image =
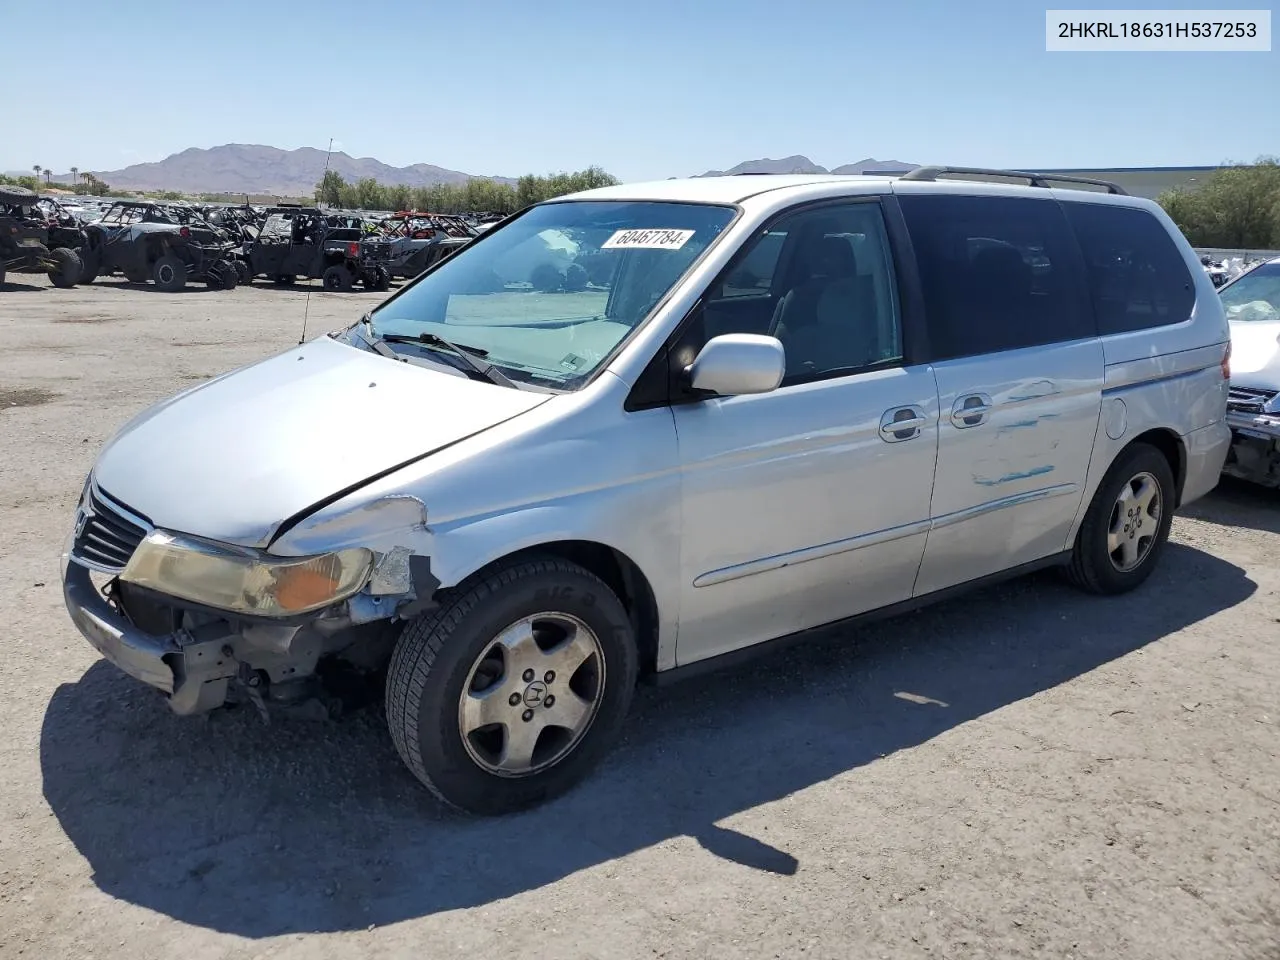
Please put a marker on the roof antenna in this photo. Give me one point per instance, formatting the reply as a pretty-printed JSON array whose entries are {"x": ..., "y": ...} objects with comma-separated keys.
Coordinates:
[{"x": 306, "y": 310}]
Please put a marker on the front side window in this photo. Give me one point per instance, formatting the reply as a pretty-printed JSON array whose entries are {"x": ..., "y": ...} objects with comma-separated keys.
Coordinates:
[
  {"x": 998, "y": 273},
  {"x": 549, "y": 296},
  {"x": 821, "y": 281},
  {"x": 1137, "y": 277},
  {"x": 1255, "y": 295}
]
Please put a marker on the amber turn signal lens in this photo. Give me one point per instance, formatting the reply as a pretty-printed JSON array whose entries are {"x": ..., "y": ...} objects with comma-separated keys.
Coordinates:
[{"x": 302, "y": 588}]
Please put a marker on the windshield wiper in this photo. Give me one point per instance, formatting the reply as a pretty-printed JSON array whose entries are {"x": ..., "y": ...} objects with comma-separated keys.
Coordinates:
[{"x": 471, "y": 356}]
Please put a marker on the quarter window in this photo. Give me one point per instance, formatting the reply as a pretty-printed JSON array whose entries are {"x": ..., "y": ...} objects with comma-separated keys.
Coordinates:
[
  {"x": 999, "y": 273},
  {"x": 1137, "y": 277},
  {"x": 753, "y": 276}
]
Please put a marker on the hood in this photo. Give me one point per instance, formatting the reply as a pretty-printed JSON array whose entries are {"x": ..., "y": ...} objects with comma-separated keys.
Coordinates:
[
  {"x": 1255, "y": 354},
  {"x": 233, "y": 458}
]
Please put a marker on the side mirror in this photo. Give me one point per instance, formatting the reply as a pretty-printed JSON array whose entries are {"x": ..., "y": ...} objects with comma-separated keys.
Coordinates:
[{"x": 738, "y": 363}]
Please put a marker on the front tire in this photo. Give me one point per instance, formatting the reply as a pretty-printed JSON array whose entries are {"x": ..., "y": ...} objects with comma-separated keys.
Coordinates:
[
  {"x": 67, "y": 272},
  {"x": 377, "y": 279},
  {"x": 509, "y": 693},
  {"x": 1127, "y": 525},
  {"x": 90, "y": 264}
]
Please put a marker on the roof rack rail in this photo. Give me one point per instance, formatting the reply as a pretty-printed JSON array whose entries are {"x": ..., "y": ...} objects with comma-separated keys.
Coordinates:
[{"x": 1034, "y": 179}]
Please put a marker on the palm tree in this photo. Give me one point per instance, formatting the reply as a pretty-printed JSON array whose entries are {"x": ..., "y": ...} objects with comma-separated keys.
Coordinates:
[
  {"x": 74, "y": 172},
  {"x": 48, "y": 175},
  {"x": 38, "y": 169}
]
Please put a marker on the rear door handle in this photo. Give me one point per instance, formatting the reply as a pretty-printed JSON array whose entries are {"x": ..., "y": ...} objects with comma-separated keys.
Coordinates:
[
  {"x": 902, "y": 423},
  {"x": 971, "y": 410}
]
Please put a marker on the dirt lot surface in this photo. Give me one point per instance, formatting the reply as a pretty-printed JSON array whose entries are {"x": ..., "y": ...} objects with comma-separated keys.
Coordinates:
[{"x": 1026, "y": 772}]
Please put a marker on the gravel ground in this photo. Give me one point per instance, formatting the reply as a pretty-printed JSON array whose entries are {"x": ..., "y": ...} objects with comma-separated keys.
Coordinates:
[{"x": 1026, "y": 772}]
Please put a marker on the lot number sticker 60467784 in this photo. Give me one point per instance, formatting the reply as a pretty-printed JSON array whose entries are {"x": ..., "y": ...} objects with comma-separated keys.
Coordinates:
[{"x": 648, "y": 239}]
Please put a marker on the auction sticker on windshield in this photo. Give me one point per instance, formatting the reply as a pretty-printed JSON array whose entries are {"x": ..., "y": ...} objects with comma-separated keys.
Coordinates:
[{"x": 648, "y": 239}]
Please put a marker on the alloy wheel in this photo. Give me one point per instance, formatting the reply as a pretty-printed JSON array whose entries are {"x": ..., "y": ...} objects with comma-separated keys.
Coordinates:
[
  {"x": 1135, "y": 522},
  {"x": 531, "y": 695}
]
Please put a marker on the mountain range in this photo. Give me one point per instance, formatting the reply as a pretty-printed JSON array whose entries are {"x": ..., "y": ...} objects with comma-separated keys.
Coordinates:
[
  {"x": 256, "y": 169},
  {"x": 801, "y": 164},
  {"x": 262, "y": 170}
]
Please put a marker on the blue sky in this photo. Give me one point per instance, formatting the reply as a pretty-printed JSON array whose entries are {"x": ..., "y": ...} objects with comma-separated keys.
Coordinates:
[{"x": 645, "y": 89}]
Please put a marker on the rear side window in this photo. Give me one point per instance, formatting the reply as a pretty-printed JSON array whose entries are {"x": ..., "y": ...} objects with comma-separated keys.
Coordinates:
[
  {"x": 1137, "y": 277},
  {"x": 998, "y": 273}
]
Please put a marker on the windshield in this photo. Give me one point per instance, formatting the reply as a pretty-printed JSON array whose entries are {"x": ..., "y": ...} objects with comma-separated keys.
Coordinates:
[
  {"x": 551, "y": 294},
  {"x": 1255, "y": 296}
]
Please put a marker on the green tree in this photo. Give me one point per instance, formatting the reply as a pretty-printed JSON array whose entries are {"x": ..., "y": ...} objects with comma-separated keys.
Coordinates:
[
  {"x": 329, "y": 189},
  {"x": 398, "y": 197},
  {"x": 369, "y": 195},
  {"x": 478, "y": 195},
  {"x": 1237, "y": 207}
]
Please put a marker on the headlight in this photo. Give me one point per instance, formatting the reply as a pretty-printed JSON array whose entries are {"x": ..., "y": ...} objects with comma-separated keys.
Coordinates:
[{"x": 245, "y": 582}]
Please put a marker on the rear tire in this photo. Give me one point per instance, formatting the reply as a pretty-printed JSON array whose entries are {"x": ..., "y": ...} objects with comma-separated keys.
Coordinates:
[
  {"x": 243, "y": 274},
  {"x": 338, "y": 279},
  {"x": 1127, "y": 525},
  {"x": 67, "y": 272},
  {"x": 222, "y": 276},
  {"x": 2, "y": 272},
  {"x": 169, "y": 273},
  {"x": 446, "y": 661}
]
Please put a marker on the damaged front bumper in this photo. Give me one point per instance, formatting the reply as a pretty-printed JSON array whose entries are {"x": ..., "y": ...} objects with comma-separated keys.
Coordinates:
[
  {"x": 194, "y": 673},
  {"x": 201, "y": 658},
  {"x": 1255, "y": 447}
]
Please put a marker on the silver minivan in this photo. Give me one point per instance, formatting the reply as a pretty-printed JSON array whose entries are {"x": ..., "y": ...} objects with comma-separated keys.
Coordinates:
[
  {"x": 1252, "y": 303},
  {"x": 650, "y": 427}
]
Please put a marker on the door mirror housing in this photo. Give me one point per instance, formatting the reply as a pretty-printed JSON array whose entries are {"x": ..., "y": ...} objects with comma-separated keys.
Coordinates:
[{"x": 733, "y": 364}]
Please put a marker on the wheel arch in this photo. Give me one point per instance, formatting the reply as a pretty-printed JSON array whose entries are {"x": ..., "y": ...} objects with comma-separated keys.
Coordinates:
[
  {"x": 1174, "y": 450},
  {"x": 619, "y": 572}
]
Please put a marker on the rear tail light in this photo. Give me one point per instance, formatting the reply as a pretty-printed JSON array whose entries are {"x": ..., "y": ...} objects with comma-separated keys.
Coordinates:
[
  {"x": 1226, "y": 362},
  {"x": 185, "y": 232},
  {"x": 353, "y": 249}
]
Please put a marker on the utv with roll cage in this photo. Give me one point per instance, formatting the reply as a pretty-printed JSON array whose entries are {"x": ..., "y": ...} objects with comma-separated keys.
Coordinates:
[
  {"x": 410, "y": 241},
  {"x": 32, "y": 243},
  {"x": 314, "y": 244},
  {"x": 164, "y": 243}
]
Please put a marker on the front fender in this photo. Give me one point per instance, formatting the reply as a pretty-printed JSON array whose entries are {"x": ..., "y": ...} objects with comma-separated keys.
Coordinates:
[{"x": 462, "y": 549}]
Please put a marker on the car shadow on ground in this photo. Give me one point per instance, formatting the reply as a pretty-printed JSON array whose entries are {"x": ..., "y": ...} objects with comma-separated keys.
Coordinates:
[
  {"x": 316, "y": 286},
  {"x": 16, "y": 286},
  {"x": 261, "y": 831},
  {"x": 1238, "y": 503},
  {"x": 120, "y": 283}
]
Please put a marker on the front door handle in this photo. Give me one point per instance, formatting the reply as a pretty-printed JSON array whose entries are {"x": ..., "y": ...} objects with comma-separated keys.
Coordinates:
[
  {"x": 971, "y": 410},
  {"x": 902, "y": 423}
]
